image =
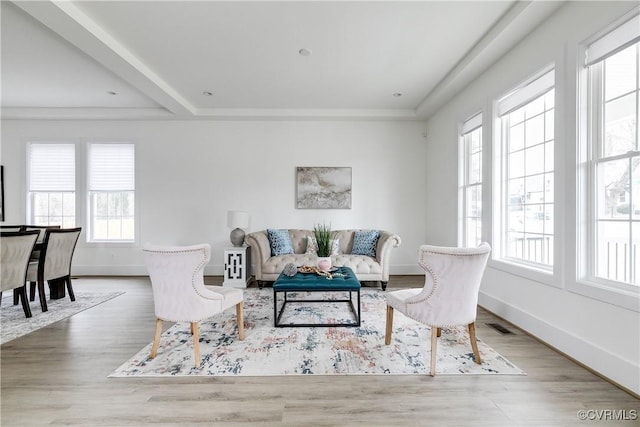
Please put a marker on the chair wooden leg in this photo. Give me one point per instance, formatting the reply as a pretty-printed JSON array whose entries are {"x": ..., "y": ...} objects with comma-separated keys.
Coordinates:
[
  {"x": 439, "y": 332},
  {"x": 25, "y": 301},
  {"x": 32, "y": 291},
  {"x": 474, "y": 343},
  {"x": 156, "y": 339},
  {"x": 43, "y": 297},
  {"x": 70, "y": 288},
  {"x": 434, "y": 344},
  {"x": 16, "y": 296},
  {"x": 240, "y": 316},
  {"x": 389, "y": 327},
  {"x": 196, "y": 343}
]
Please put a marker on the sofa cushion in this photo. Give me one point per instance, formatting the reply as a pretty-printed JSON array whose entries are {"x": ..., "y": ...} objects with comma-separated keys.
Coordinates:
[
  {"x": 280, "y": 242},
  {"x": 365, "y": 242}
]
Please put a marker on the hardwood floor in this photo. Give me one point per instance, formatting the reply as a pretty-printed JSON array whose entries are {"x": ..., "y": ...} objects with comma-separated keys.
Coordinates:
[{"x": 58, "y": 376}]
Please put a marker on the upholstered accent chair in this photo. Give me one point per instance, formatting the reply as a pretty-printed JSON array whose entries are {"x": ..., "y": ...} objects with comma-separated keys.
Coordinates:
[
  {"x": 54, "y": 262},
  {"x": 179, "y": 292},
  {"x": 15, "y": 251},
  {"x": 449, "y": 296}
]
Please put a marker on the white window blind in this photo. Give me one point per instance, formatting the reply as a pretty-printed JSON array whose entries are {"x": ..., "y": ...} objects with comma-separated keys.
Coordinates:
[
  {"x": 614, "y": 41},
  {"x": 472, "y": 123},
  {"x": 111, "y": 167},
  {"x": 52, "y": 167},
  {"x": 526, "y": 93}
]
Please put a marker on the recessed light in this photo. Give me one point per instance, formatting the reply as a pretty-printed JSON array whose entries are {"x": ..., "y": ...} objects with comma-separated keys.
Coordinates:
[
  {"x": 110, "y": 92},
  {"x": 207, "y": 93},
  {"x": 304, "y": 52},
  {"x": 397, "y": 94}
]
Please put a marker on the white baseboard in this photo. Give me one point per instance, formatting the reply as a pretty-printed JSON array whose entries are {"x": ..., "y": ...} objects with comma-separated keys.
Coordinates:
[{"x": 614, "y": 368}]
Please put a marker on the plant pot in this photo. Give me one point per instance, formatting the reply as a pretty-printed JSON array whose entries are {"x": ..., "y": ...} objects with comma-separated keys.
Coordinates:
[{"x": 324, "y": 263}]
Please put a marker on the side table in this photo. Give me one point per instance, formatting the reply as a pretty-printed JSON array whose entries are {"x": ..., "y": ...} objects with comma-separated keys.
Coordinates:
[{"x": 237, "y": 263}]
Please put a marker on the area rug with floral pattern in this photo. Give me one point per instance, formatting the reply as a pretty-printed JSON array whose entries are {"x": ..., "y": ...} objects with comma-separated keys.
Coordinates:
[{"x": 268, "y": 350}]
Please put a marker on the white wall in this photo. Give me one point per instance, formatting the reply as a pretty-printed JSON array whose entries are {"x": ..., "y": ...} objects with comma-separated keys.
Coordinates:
[
  {"x": 603, "y": 336},
  {"x": 190, "y": 173}
]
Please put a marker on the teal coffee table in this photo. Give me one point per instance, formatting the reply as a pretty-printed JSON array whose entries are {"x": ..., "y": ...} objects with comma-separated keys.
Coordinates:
[{"x": 344, "y": 280}]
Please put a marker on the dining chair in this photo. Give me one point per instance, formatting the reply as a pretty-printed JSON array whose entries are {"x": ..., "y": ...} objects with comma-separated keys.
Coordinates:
[
  {"x": 11, "y": 228},
  {"x": 179, "y": 292},
  {"x": 449, "y": 296},
  {"x": 15, "y": 250},
  {"x": 54, "y": 263}
]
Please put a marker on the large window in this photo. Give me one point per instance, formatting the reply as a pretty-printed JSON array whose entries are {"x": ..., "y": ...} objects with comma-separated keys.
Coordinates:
[
  {"x": 614, "y": 161},
  {"x": 52, "y": 184},
  {"x": 526, "y": 118},
  {"x": 471, "y": 182},
  {"x": 111, "y": 185}
]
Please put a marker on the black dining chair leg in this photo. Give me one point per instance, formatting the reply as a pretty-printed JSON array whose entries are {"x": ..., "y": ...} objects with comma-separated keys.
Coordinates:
[
  {"x": 70, "y": 288},
  {"x": 16, "y": 294},
  {"x": 43, "y": 297},
  {"x": 32, "y": 291},
  {"x": 25, "y": 301}
]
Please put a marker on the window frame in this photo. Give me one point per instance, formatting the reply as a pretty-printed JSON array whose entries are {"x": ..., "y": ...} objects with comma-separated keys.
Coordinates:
[
  {"x": 472, "y": 124},
  {"x": 533, "y": 271},
  {"x": 589, "y": 156},
  {"x": 89, "y": 201}
]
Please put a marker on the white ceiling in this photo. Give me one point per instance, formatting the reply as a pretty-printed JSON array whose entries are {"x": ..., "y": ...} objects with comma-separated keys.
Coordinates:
[{"x": 61, "y": 59}]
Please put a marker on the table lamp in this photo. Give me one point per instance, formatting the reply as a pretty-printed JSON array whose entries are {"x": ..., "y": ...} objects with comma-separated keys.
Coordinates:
[{"x": 237, "y": 220}]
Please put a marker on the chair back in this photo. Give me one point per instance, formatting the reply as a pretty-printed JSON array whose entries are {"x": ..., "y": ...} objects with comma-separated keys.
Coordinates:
[
  {"x": 177, "y": 279},
  {"x": 57, "y": 252},
  {"x": 452, "y": 283},
  {"x": 40, "y": 228},
  {"x": 15, "y": 251}
]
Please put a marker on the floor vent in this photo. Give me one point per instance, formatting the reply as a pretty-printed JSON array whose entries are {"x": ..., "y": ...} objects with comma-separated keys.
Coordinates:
[{"x": 498, "y": 327}]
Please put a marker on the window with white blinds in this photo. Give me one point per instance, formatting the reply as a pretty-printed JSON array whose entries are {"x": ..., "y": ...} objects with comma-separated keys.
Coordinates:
[
  {"x": 111, "y": 187},
  {"x": 612, "y": 185},
  {"x": 526, "y": 186},
  {"x": 51, "y": 184}
]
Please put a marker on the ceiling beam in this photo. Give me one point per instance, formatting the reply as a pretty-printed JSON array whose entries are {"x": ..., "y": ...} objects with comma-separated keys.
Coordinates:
[
  {"x": 521, "y": 18},
  {"x": 65, "y": 19}
]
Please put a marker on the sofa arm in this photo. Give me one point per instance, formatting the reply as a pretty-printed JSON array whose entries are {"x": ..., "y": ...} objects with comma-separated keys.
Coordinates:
[
  {"x": 261, "y": 250},
  {"x": 386, "y": 242}
]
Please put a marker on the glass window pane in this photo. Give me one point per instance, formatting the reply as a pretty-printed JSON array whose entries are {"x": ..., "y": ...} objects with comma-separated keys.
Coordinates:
[
  {"x": 535, "y": 107},
  {"x": 549, "y": 124},
  {"x": 475, "y": 168},
  {"x": 613, "y": 250},
  {"x": 516, "y": 137},
  {"x": 516, "y": 166},
  {"x": 620, "y": 125},
  {"x": 534, "y": 131},
  {"x": 620, "y": 73},
  {"x": 535, "y": 163},
  {"x": 611, "y": 189}
]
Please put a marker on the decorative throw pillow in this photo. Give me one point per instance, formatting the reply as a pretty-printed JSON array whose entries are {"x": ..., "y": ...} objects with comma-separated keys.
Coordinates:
[
  {"x": 365, "y": 242},
  {"x": 280, "y": 242},
  {"x": 312, "y": 246},
  {"x": 335, "y": 247}
]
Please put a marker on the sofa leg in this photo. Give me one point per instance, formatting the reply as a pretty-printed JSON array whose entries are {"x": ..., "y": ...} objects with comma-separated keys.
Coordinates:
[
  {"x": 384, "y": 285},
  {"x": 260, "y": 284}
]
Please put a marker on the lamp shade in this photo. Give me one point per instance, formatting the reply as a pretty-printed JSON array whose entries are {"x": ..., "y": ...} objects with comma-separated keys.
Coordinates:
[{"x": 238, "y": 219}]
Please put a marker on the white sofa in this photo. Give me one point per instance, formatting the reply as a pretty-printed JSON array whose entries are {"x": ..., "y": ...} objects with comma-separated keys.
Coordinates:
[{"x": 267, "y": 268}]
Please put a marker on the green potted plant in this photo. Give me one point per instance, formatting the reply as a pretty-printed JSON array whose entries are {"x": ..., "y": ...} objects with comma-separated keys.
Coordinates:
[{"x": 322, "y": 234}]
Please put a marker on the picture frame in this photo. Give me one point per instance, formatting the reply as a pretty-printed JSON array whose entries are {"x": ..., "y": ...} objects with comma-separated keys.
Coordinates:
[{"x": 326, "y": 187}]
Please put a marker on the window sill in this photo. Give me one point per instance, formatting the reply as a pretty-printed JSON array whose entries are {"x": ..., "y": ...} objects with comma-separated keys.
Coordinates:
[
  {"x": 608, "y": 294},
  {"x": 535, "y": 274}
]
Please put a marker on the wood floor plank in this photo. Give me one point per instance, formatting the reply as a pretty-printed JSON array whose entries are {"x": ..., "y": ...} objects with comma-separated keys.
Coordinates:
[{"x": 58, "y": 376}]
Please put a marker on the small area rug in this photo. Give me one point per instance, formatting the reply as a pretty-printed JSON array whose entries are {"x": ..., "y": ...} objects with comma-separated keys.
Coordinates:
[
  {"x": 13, "y": 323},
  {"x": 268, "y": 350}
]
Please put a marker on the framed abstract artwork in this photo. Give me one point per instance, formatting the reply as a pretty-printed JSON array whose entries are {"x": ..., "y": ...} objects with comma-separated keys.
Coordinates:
[{"x": 323, "y": 187}]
